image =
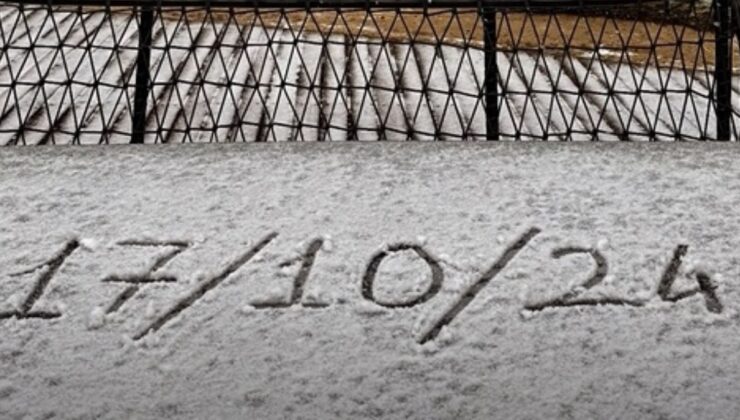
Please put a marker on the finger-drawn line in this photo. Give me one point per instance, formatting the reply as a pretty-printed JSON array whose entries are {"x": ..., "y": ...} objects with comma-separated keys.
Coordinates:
[
  {"x": 205, "y": 287},
  {"x": 706, "y": 287},
  {"x": 570, "y": 298},
  {"x": 368, "y": 279},
  {"x": 709, "y": 290},
  {"x": 136, "y": 281},
  {"x": 671, "y": 271},
  {"x": 307, "y": 261},
  {"x": 486, "y": 278},
  {"x": 52, "y": 266}
]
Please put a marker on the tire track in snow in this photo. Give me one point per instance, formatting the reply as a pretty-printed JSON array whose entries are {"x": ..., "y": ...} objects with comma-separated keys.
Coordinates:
[
  {"x": 228, "y": 108},
  {"x": 311, "y": 57},
  {"x": 281, "y": 100},
  {"x": 551, "y": 119},
  {"x": 364, "y": 109},
  {"x": 37, "y": 106},
  {"x": 616, "y": 109},
  {"x": 703, "y": 86},
  {"x": 253, "y": 95},
  {"x": 94, "y": 64},
  {"x": 334, "y": 93},
  {"x": 564, "y": 104},
  {"x": 105, "y": 114},
  {"x": 18, "y": 35},
  {"x": 516, "y": 102},
  {"x": 638, "y": 95},
  {"x": 23, "y": 103},
  {"x": 592, "y": 102},
  {"x": 189, "y": 122},
  {"x": 736, "y": 106},
  {"x": 385, "y": 83},
  {"x": 48, "y": 111},
  {"x": 676, "y": 100},
  {"x": 438, "y": 90},
  {"x": 168, "y": 66},
  {"x": 420, "y": 120},
  {"x": 467, "y": 84},
  {"x": 211, "y": 87},
  {"x": 15, "y": 38}
]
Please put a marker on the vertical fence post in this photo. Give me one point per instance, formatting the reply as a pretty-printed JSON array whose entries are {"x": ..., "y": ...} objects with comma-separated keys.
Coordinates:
[
  {"x": 723, "y": 68},
  {"x": 143, "y": 59},
  {"x": 491, "y": 72}
]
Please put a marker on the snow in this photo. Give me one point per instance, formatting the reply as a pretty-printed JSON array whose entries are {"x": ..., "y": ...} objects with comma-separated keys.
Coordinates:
[
  {"x": 603, "y": 245},
  {"x": 369, "y": 309},
  {"x": 273, "y": 296},
  {"x": 14, "y": 301},
  {"x": 328, "y": 244},
  {"x": 6, "y": 389},
  {"x": 89, "y": 244},
  {"x": 465, "y": 204},
  {"x": 151, "y": 310},
  {"x": 318, "y": 296},
  {"x": 401, "y": 277},
  {"x": 96, "y": 319}
]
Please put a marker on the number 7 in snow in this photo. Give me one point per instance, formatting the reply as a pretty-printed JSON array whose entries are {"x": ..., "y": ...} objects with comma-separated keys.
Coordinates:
[{"x": 205, "y": 287}]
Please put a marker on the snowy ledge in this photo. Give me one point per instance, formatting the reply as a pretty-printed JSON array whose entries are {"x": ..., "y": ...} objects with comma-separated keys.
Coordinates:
[{"x": 370, "y": 280}]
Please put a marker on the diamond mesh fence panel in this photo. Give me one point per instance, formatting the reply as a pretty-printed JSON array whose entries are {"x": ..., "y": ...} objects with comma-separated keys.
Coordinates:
[{"x": 249, "y": 72}]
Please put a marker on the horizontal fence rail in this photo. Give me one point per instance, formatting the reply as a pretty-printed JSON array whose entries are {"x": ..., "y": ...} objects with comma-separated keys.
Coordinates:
[{"x": 116, "y": 71}]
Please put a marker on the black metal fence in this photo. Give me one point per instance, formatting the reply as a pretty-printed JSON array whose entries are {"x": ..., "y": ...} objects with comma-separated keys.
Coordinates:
[{"x": 111, "y": 71}]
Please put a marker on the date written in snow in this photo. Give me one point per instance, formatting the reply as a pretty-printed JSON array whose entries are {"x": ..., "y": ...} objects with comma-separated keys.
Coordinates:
[{"x": 46, "y": 271}]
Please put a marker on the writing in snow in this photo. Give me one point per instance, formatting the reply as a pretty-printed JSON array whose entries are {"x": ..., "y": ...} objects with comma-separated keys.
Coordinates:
[{"x": 45, "y": 272}]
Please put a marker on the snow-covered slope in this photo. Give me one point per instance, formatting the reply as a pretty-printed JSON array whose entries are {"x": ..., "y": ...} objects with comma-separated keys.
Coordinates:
[{"x": 370, "y": 281}]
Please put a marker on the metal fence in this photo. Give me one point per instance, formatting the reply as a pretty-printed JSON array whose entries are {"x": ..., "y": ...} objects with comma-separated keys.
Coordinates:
[{"x": 119, "y": 71}]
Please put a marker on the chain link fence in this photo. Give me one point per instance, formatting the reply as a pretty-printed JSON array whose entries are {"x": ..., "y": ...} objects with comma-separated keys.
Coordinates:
[{"x": 121, "y": 71}]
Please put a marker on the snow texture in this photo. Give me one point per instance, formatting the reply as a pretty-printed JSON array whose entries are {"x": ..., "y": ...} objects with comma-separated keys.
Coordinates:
[{"x": 218, "y": 354}]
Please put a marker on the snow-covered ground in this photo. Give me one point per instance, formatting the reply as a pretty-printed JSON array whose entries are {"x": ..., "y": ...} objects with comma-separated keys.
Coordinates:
[
  {"x": 424, "y": 280},
  {"x": 285, "y": 90}
]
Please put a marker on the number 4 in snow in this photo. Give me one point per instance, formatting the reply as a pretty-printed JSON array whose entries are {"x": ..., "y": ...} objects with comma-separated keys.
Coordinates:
[{"x": 706, "y": 286}]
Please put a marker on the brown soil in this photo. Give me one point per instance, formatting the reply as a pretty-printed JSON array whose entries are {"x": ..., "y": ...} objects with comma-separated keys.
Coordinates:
[{"x": 624, "y": 39}]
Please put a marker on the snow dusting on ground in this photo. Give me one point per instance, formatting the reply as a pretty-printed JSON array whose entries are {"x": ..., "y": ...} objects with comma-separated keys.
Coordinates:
[{"x": 370, "y": 281}]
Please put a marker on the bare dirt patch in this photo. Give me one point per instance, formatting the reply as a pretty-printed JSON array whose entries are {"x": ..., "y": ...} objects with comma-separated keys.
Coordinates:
[{"x": 629, "y": 40}]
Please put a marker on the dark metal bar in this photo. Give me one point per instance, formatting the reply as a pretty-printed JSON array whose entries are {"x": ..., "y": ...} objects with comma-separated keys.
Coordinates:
[
  {"x": 723, "y": 69},
  {"x": 142, "y": 74},
  {"x": 491, "y": 74}
]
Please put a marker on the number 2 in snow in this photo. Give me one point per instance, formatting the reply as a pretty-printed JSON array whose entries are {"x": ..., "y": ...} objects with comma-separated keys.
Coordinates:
[{"x": 571, "y": 297}]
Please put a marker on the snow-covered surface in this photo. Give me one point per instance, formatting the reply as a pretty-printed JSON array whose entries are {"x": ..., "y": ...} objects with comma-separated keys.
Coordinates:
[
  {"x": 285, "y": 90},
  {"x": 215, "y": 330}
]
